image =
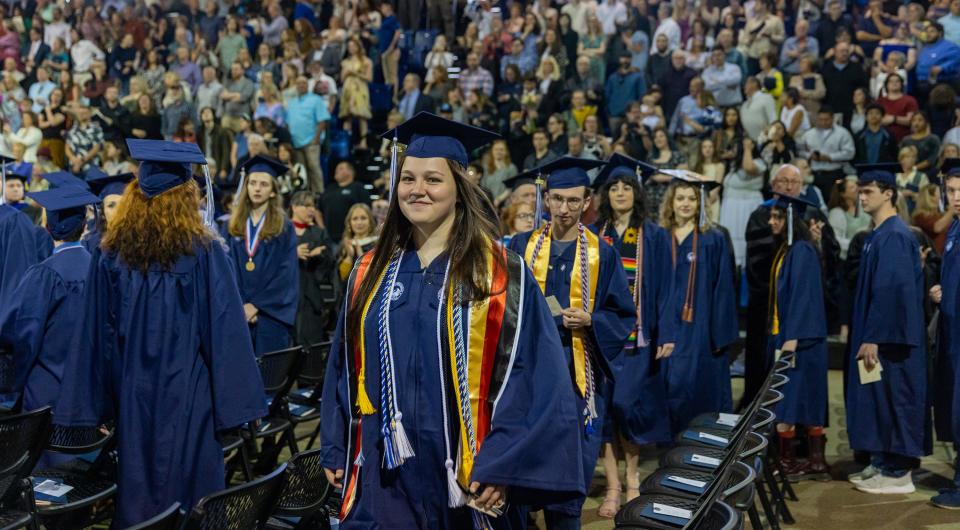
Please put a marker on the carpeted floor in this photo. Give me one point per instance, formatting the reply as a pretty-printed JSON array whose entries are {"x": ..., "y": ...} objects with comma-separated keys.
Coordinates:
[{"x": 836, "y": 505}]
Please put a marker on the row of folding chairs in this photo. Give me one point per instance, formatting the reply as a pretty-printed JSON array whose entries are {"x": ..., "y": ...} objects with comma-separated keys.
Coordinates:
[{"x": 720, "y": 467}]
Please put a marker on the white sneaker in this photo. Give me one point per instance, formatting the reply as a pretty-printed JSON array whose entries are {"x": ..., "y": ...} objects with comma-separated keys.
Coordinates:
[
  {"x": 864, "y": 474},
  {"x": 880, "y": 484}
]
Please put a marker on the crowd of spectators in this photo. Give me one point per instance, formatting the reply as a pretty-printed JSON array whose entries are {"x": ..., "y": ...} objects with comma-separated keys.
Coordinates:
[{"x": 729, "y": 89}]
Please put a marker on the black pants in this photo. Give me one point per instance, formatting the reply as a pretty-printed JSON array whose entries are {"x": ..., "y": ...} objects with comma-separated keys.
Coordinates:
[
  {"x": 756, "y": 363},
  {"x": 408, "y": 14}
]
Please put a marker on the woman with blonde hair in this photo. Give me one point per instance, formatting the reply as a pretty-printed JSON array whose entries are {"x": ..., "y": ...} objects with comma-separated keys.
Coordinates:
[
  {"x": 359, "y": 236},
  {"x": 928, "y": 217},
  {"x": 702, "y": 302},
  {"x": 356, "y": 74},
  {"x": 497, "y": 167},
  {"x": 263, "y": 250},
  {"x": 161, "y": 348}
]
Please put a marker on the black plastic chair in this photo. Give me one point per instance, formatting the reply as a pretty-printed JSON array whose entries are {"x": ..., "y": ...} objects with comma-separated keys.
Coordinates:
[
  {"x": 302, "y": 503},
  {"x": 236, "y": 455},
  {"x": 715, "y": 516},
  {"x": 305, "y": 400},
  {"x": 760, "y": 421},
  {"x": 740, "y": 479},
  {"x": 278, "y": 370},
  {"x": 11, "y": 498},
  {"x": 24, "y": 433},
  {"x": 169, "y": 519},
  {"x": 92, "y": 482},
  {"x": 244, "y": 507}
]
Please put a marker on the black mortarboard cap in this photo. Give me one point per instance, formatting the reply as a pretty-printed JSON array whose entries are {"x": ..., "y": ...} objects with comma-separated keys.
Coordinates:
[{"x": 164, "y": 165}]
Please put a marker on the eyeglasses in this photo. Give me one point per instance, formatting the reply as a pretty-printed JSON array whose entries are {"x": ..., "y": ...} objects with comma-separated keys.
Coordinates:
[
  {"x": 525, "y": 216},
  {"x": 573, "y": 202}
]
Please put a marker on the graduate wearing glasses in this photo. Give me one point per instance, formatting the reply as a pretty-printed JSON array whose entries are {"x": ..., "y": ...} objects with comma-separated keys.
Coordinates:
[
  {"x": 585, "y": 284},
  {"x": 440, "y": 407},
  {"x": 162, "y": 346}
]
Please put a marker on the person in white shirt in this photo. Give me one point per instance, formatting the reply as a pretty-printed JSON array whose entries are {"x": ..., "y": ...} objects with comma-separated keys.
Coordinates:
[
  {"x": 758, "y": 111},
  {"x": 611, "y": 13},
  {"x": 578, "y": 10},
  {"x": 57, "y": 28},
  {"x": 722, "y": 79},
  {"x": 667, "y": 26},
  {"x": 83, "y": 53},
  {"x": 829, "y": 147}
]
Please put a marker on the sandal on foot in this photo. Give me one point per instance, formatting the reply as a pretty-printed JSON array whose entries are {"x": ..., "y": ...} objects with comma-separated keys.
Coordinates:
[{"x": 611, "y": 504}]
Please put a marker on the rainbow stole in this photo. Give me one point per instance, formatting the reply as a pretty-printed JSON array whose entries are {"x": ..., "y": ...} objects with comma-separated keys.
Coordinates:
[
  {"x": 491, "y": 331},
  {"x": 541, "y": 265},
  {"x": 627, "y": 246}
]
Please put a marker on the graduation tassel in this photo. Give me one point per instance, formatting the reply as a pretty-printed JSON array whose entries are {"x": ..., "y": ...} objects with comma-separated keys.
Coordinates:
[
  {"x": 3, "y": 183},
  {"x": 455, "y": 494},
  {"x": 703, "y": 205},
  {"x": 790, "y": 224},
  {"x": 243, "y": 178},
  {"x": 210, "y": 214},
  {"x": 538, "y": 206},
  {"x": 394, "y": 155}
]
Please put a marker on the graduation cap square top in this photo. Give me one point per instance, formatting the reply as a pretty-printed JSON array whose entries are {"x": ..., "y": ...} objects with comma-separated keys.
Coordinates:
[
  {"x": 264, "y": 164},
  {"x": 66, "y": 208},
  {"x": 623, "y": 166},
  {"x": 568, "y": 172},
  {"x": 22, "y": 171},
  {"x": 164, "y": 165},
  {"x": 62, "y": 179},
  {"x": 799, "y": 204},
  {"x": 427, "y": 135},
  {"x": 950, "y": 167},
  {"x": 885, "y": 172},
  {"x": 689, "y": 177},
  {"x": 105, "y": 185}
]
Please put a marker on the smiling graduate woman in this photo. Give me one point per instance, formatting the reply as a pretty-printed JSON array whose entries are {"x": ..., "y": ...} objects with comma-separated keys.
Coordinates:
[{"x": 440, "y": 386}]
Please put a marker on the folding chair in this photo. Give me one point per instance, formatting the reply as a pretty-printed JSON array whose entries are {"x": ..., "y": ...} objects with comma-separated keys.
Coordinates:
[
  {"x": 169, "y": 519},
  {"x": 278, "y": 370},
  {"x": 12, "y": 518},
  {"x": 244, "y": 507},
  {"x": 302, "y": 503},
  {"x": 305, "y": 400}
]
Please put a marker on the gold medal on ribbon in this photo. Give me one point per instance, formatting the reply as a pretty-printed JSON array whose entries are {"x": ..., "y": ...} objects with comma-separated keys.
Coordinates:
[{"x": 251, "y": 266}]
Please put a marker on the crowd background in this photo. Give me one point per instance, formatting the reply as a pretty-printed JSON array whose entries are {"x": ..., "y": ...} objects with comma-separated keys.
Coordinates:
[{"x": 731, "y": 90}]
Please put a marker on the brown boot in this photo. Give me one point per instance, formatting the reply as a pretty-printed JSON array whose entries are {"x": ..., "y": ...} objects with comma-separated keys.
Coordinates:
[{"x": 818, "y": 461}]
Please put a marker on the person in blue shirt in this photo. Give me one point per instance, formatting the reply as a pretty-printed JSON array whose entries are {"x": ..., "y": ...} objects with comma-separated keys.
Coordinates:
[
  {"x": 38, "y": 321},
  {"x": 307, "y": 117},
  {"x": 939, "y": 60},
  {"x": 162, "y": 347},
  {"x": 263, "y": 252},
  {"x": 947, "y": 294},
  {"x": 594, "y": 312},
  {"x": 889, "y": 418},
  {"x": 388, "y": 45},
  {"x": 626, "y": 85},
  {"x": 440, "y": 397}
]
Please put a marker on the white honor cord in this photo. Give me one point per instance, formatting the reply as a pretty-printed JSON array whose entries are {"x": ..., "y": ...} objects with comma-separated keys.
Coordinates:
[{"x": 455, "y": 495}]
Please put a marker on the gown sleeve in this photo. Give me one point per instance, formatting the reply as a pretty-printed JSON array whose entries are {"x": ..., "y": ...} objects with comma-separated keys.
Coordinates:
[
  {"x": 891, "y": 316},
  {"x": 614, "y": 312},
  {"x": 23, "y": 319},
  {"x": 18, "y": 251},
  {"x": 663, "y": 271},
  {"x": 44, "y": 244},
  {"x": 235, "y": 379},
  {"x": 723, "y": 314},
  {"x": 335, "y": 404},
  {"x": 86, "y": 394},
  {"x": 278, "y": 295},
  {"x": 531, "y": 413},
  {"x": 802, "y": 309}
]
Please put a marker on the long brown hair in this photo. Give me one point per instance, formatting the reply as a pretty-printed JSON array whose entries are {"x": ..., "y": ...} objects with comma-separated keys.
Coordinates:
[
  {"x": 160, "y": 230},
  {"x": 272, "y": 225},
  {"x": 348, "y": 233},
  {"x": 667, "y": 218},
  {"x": 468, "y": 243}
]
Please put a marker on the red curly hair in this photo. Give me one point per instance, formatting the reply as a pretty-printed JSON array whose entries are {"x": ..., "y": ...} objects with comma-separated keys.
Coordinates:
[{"x": 145, "y": 232}]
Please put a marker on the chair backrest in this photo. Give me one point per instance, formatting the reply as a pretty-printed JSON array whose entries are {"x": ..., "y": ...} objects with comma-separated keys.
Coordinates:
[
  {"x": 306, "y": 489},
  {"x": 11, "y": 474},
  {"x": 244, "y": 507},
  {"x": 276, "y": 369},
  {"x": 24, "y": 433},
  {"x": 168, "y": 520},
  {"x": 314, "y": 363},
  {"x": 77, "y": 440}
]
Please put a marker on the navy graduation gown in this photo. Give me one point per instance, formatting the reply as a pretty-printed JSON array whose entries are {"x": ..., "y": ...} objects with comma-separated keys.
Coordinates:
[
  {"x": 273, "y": 287},
  {"x": 947, "y": 372},
  {"x": 802, "y": 316},
  {"x": 91, "y": 240},
  {"x": 698, "y": 371},
  {"x": 639, "y": 401},
  {"x": 44, "y": 243},
  {"x": 614, "y": 315},
  {"x": 39, "y": 321},
  {"x": 167, "y": 355},
  {"x": 534, "y": 433},
  {"x": 18, "y": 249},
  {"x": 891, "y": 415}
]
